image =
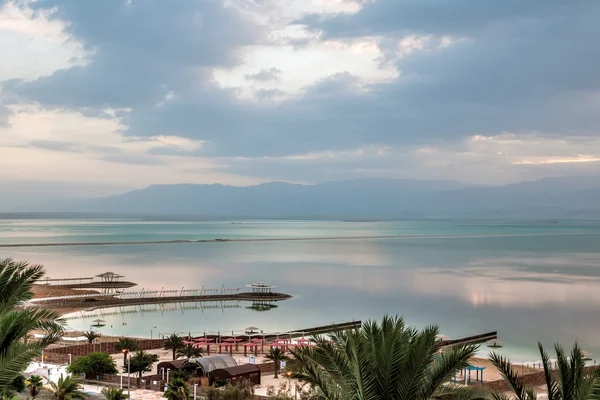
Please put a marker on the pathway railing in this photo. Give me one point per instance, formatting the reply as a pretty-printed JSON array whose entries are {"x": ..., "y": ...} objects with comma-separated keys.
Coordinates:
[{"x": 142, "y": 294}]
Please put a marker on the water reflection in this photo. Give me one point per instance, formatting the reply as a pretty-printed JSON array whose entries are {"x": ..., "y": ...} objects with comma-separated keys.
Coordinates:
[
  {"x": 525, "y": 282},
  {"x": 529, "y": 289}
]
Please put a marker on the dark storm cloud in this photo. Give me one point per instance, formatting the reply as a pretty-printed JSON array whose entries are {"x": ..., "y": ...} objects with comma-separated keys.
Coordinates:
[{"x": 512, "y": 66}]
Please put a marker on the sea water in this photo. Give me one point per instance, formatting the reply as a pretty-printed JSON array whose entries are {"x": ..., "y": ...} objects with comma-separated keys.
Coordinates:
[{"x": 528, "y": 280}]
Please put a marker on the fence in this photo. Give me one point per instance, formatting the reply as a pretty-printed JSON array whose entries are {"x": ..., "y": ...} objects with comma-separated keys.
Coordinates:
[{"x": 60, "y": 355}]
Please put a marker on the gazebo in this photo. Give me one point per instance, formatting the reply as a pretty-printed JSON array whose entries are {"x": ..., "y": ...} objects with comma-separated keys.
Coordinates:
[
  {"x": 200, "y": 342},
  {"x": 304, "y": 342},
  {"x": 282, "y": 343},
  {"x": 109, "y": 277},
  {"x": 253, "y": 348},
  {"x": 227, "y": 346},
  {"x": 233, "y": 340},
  {"x": 261, "y": 288},
  {"x": 466, "y": 374}
]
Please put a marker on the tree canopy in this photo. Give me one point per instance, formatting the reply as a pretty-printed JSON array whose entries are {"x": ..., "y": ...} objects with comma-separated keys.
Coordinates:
[
  {"x": 572, "y": 380},
  {"x": 386, "y": 360},
  {"x": 174, "y": 342},
  {"x": 141, "y": 362},
  {"x": 93, "y": 365}
]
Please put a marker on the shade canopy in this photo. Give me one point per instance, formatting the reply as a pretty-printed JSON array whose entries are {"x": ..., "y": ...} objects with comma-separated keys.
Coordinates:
[
  {"x": 210, "y": 363},
  {"x": 172, "y": 365}
]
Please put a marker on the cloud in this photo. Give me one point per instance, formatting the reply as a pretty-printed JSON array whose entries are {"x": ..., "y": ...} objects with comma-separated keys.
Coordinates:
[
  {"x": 271, "y": 74},
  {"x": 33, "y": 45},
  {"x": 67, "y": 146},
  {"x": 142, "y": 50},
  {"x": 295, "y": 90}
]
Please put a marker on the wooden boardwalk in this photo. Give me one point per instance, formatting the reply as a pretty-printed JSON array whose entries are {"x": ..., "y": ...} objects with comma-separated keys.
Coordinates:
[
  {"x": 94, "y": 302},
  {"x": 476, "y": 339}
]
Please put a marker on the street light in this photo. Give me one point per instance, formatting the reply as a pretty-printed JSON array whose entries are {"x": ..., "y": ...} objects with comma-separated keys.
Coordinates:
[
  {"x": 129, "y": 376},
  {"x": 128, "y": 360},
  {"x": 289, "y": 375}
]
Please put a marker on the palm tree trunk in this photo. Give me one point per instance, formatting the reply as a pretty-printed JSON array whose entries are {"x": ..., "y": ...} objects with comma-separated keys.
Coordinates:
[
  {"x": 174, "y": 351},
  {"x": 276, "y": 369}
]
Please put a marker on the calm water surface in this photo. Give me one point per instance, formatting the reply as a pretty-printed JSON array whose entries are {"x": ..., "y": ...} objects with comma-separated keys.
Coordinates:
[{"x": 538, "y": 281}]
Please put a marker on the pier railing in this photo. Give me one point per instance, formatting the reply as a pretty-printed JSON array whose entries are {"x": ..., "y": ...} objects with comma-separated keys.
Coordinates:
[
  {"x": 152, "y": 308},
  {"x": 141, "y": 294}
]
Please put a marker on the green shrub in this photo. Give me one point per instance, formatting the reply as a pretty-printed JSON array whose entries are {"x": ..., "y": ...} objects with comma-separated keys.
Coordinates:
[{"x": 93, "y": 365}]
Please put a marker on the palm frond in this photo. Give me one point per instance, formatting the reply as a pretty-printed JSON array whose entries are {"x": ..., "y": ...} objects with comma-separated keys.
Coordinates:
[
  {"x": 511, "y": 377},
  {"x": 551, "y": 385}
]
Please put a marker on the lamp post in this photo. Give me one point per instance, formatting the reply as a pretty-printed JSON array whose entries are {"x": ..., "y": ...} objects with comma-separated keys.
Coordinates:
[
  {"x": 129, "y": 376},
  {"x": 128, "y": 360},
  {"x": 195, "y": 387}
]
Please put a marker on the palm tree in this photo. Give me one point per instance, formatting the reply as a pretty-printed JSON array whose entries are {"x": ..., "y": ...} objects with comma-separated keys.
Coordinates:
[
  {"x": 386, "y": 360},
  {"x": 189, "y": 351},
  {"x": 35, "y": 385},
  {"x": 66, "y": 388},
  {"x": 91, "y": 335},
  {"x": 572, "y": 381},
  {"x": 113, "y": 393},
  {"x": 126, "y": 345},
  {"x": 277, "y": 356},
  {"x": 177, "y": 390},
  {"x": 17, "y": 349},
  {"x": 141, "y": 362},
  {"x": 174, "y": 342}
]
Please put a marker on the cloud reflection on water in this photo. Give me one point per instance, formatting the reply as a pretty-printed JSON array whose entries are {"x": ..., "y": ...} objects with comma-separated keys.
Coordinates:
[{"x": 568, "y": 281}]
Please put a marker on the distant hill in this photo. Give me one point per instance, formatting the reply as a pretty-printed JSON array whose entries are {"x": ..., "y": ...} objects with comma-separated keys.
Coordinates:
[{"x": 368, "y": 198}]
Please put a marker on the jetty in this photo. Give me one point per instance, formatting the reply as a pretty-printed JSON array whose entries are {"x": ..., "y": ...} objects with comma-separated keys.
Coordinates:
[
  {"x": 106, "y": 280},
  {"x": 261, "y": 293},
  {"x": 476, "y": 339}
]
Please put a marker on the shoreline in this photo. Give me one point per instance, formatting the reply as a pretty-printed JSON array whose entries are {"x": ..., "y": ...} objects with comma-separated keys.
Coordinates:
[{"x": 225, "y": 240}]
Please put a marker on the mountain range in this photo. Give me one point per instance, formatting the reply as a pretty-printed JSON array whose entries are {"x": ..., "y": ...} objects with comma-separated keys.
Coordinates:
[{"x": 551, "y": 198}]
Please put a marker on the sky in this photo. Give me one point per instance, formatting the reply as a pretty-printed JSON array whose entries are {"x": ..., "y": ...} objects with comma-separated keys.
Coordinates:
[{"x": 105, "y": 96}]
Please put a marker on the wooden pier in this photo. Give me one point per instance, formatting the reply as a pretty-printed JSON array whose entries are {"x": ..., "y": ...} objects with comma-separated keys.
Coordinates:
[
  {"x": 476, "y": 339},
  {"x": 106, "y": 280},
  {"x": 95, "y": 302},
  {"x": 261, "y": 294}
]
